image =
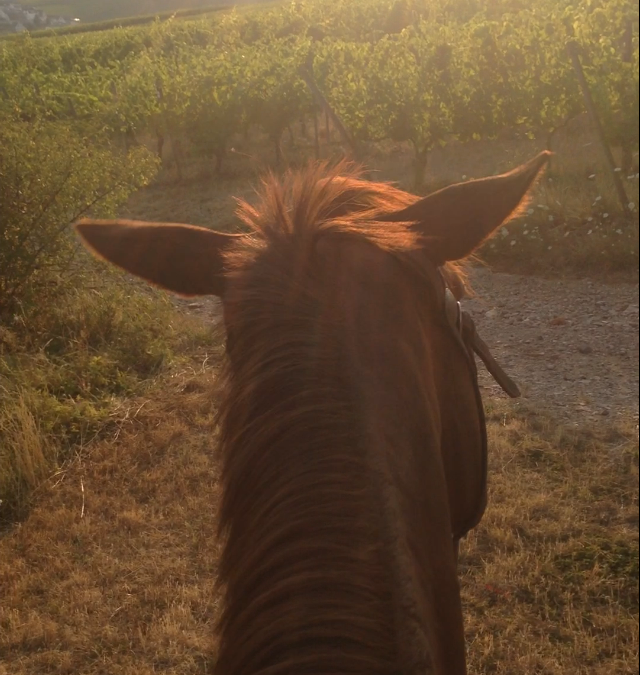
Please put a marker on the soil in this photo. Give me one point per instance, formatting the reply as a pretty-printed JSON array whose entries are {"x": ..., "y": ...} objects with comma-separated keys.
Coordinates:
[{"x": 571, "y": 345}]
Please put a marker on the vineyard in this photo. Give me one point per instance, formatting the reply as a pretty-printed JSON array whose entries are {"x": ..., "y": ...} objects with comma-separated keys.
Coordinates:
[
  {"x": 409, "y": 71},
  {"x": 422, "y": 72},
  {"x": 87, "y": 120},
  {"x": 107, "y": 563}
]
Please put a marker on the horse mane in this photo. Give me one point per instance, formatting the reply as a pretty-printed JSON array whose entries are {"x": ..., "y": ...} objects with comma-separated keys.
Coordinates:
[
  {"x": 301, "y": 512},
  {"x": 336, "y": 199}
]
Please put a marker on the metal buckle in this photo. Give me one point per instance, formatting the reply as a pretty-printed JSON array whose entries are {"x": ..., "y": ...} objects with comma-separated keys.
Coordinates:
[{"x": 453, "y": 310}]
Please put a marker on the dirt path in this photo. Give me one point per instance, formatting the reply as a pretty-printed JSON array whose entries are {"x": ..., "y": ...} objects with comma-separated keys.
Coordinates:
[{"x": 571, "y": 345}]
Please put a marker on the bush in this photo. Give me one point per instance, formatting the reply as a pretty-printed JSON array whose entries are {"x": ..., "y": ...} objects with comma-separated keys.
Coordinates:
[
  {"x": 75, "y": 340},
  {"x": 67, "y": 367},
  {"x": 49, "y": 177}
]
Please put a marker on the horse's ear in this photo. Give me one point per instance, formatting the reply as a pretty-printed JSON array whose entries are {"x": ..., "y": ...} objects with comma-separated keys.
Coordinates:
[
  {"x": 458, "y": 218},
  {"x": 184, "y": 259}
]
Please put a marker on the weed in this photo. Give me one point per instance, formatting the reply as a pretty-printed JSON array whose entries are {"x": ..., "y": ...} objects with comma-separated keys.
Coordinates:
[{"x": 66, "y": 366}]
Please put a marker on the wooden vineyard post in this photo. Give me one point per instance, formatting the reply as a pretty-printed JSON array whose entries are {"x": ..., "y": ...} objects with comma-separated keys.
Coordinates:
[
  {"x": 324, "y": 105},
  {"x": 176, "y": 148},
  {"x": 316, "y": 134},
  {"x": 572, "y": 49},
  {"x": 627, "y": 57}
]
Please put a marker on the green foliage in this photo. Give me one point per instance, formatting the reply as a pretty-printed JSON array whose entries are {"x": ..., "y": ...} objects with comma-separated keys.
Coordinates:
[
  {"x": 275, "y": 94},
  {"x": 214, "y": 110},
  {"x": 427, "y": 72},
  {"x": 68, "y": 359},
  {"x": 48, "y": 178}
]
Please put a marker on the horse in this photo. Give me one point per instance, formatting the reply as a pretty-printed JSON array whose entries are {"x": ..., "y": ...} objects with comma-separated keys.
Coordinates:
[{"x": 352, "y": 437}]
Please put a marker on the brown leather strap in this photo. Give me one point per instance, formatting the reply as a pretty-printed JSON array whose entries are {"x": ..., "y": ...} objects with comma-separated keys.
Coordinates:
[
  {"x": 465, "y": 330},
  {"x": 471, "y": 337}
]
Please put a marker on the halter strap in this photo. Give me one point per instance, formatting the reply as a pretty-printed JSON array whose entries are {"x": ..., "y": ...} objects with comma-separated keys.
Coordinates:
[{"x": 465, "y": 330}]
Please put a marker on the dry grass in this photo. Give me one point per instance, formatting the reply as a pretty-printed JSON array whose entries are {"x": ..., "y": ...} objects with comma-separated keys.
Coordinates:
[
  {"x": 113, "y": 572},
  {"x": 69, "y": 364},
  {"x": 25, "y": 457},
  {"x": 550, "y": 578}
]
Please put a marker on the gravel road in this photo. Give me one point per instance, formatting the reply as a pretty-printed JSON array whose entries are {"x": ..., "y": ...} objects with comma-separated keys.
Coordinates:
[{"x": 571, "y": 345}]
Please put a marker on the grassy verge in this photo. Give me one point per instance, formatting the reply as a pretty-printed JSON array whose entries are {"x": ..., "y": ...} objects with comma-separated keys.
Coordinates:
[
  {"x": 574, "y": 224},
  {"x": 116, "y": 564},
  {"x": 69, "y": 363},
  {"x": 550, "y": 579}
]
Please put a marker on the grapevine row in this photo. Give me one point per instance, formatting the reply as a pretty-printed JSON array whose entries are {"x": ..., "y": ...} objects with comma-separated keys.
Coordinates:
[{"x": 435, "y": 74}]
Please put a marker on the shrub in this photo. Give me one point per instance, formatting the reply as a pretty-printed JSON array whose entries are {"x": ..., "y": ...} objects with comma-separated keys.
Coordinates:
[
  {"x": 49, "y": 177},
  {"x": 68, "y": 366}
]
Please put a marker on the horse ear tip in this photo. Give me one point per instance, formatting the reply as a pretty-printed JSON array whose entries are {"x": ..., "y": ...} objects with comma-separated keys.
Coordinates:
[
  {"x": 87, "y": 229},
  {"x": 534, "y": 166},
  {"x": 543, "y": 158},
  {"x": 81, "y": 227},
  {"x": 82, "y": 224}
]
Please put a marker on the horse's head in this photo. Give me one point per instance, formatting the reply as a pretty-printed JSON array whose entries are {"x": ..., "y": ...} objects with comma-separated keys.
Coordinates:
[
  {"x": 189, "y": 260},
  {"x": 353, "y": 435}
]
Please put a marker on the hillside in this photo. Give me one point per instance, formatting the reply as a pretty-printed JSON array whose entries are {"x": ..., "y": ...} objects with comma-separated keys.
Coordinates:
[{"x": 101, "y": 10}]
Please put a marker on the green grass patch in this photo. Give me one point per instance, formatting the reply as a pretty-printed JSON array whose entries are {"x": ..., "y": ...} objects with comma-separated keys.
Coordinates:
[
  {"x": 618, "y": 559},
  {"x": 67, "y": 365}
]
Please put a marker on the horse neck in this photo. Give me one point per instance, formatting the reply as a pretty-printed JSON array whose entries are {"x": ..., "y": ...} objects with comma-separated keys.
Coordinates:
[{"x": 324, "y": 441}]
